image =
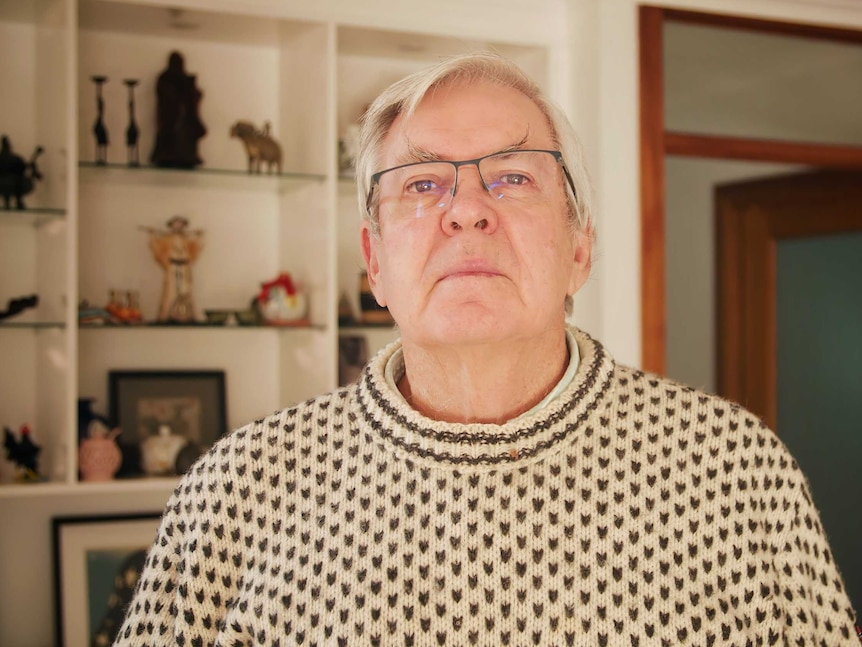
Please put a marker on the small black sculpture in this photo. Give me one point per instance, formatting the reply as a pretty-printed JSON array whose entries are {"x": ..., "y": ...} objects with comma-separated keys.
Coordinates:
[
  {"x": 99, "y": 129},
  {"x": 24, "y": 453},
  {"x": 178, "y": 125},
  {"x": 16, "y": 306},
  {"x": 17, "y": 177},
  {"x": 132, "y": 132}
]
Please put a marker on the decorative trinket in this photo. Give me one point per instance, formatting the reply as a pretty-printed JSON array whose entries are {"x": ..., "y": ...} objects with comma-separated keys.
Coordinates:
[
  {"x": 132, "y": 131},
  {"x": 178, "y": 122},
  {"x": 281, "y": 302},
  {"x": 99, "y": 456},
  {"x": 159, "y": 453},
  {"x": 17, "y": 177},
  {"x": 260, "y": 147},
  {"x": 175, "y": 249},
  {"x": 24, "y": 453}
]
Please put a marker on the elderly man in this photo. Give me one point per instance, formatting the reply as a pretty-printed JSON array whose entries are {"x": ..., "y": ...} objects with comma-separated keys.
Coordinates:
[{"x": 493, "y": 478}]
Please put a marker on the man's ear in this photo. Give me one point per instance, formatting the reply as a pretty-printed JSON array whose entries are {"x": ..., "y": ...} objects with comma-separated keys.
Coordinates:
[
  {"x": 583, "y": 259},
  {"x": 370, "y": 243}
]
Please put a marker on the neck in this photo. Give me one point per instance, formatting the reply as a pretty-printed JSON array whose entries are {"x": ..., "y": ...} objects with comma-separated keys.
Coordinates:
[{"x": 485, "y": 383}]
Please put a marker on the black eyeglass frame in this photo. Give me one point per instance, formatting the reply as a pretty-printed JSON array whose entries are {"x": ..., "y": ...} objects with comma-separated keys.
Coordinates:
[{"x": 557, "y": 155}]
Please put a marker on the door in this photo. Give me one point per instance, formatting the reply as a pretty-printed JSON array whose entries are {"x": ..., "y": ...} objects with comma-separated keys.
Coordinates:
[{"x": 789, "y": 274}]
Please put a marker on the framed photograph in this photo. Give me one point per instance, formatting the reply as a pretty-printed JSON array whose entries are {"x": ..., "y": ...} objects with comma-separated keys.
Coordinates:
[
  {"x": 146, "y": 405},
  {"x": 97, "y": 563}
]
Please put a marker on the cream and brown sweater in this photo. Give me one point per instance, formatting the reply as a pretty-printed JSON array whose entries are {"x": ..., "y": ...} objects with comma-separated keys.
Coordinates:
[{"x": 631, "y": 511}]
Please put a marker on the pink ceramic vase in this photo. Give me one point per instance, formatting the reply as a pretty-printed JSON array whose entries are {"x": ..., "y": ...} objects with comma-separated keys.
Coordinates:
[{"x": 99, "y": 456}]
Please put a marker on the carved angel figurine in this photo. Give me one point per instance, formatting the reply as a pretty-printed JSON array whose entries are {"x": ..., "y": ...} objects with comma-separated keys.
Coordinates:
[{"x": 175, "y": 249}]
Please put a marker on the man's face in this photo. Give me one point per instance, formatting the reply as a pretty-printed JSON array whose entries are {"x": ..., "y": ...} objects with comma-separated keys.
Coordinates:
[{"x": 481, "y": 270}]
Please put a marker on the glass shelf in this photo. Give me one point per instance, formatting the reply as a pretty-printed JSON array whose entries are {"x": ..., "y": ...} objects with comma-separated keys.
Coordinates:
[
  {"x": 360, "y": 328},
  {"x": 200, "y": 326},
  {"x": 36, "y": 325},
  {"x": 215, "y": 178},
  {"x": 31, "y": 216},
  {"x": 60, "y": 488}
]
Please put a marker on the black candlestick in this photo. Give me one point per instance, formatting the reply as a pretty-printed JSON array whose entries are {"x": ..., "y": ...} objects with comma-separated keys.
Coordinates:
[
  {"x": 99, "y": 129},
  {"x": 132, "y": 132}
]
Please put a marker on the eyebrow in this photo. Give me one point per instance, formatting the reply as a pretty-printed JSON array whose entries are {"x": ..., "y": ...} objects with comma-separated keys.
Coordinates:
[{"x": 418, "y": 154}]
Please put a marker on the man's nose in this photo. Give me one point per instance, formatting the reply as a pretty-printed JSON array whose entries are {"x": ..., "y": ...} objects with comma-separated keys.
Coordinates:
[{"x": 471, "y": 205}]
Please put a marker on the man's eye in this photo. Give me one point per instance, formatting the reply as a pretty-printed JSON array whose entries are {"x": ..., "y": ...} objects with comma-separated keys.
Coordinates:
[
  {"x": 421, "y": 186},
  {"x": 515, "y": 179}
]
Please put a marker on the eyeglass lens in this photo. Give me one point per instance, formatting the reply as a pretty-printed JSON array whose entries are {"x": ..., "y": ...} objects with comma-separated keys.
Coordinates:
[{"x": 518, "y": 177}]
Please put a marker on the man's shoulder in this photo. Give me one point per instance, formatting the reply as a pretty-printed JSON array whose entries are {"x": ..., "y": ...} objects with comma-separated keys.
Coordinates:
[
  {"x": 682, "y": 416},
  {"x": 653, "y": 385},
  {"x": 670, "y": 400},
  {"x": 317, "y": 411},
  {"x": 261, "y": 436}
]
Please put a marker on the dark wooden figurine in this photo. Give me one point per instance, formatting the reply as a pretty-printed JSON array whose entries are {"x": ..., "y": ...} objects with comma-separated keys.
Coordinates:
[{"x": 178, "y": 124}]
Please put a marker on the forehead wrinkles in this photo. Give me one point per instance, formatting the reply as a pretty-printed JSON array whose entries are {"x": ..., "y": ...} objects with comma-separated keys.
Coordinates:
[{"x": 416, "y": 153}]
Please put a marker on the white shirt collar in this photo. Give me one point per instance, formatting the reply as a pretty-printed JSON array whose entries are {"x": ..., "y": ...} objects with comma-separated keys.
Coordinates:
[{"x": 395, "y": 371}]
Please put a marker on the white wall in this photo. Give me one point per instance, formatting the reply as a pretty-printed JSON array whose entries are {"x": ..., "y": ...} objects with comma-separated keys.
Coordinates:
[{"x": 584, "y": 43}]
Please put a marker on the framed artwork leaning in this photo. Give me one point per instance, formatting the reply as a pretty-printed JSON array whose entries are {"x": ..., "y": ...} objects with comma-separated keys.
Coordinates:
[
  {"x": 97, "y": 563},
  {"x": 166, "y": 418}
]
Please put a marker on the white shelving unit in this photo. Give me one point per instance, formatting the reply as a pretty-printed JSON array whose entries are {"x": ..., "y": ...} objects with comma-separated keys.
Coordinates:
[
  {"x": 310, "y": 72},
  {"x": 36, "y": 383}
]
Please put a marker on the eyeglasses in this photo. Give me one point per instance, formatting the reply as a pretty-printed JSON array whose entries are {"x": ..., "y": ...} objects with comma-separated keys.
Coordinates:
[{"x": 522, "y": 177}]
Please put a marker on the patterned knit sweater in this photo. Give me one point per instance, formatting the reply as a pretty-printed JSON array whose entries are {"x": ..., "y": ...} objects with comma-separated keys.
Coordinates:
[{"x": 631, "y": 511}]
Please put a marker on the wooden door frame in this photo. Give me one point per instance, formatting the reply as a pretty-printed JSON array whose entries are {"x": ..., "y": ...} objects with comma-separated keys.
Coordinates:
[
  {"x": 751, "y": 218},
  {"x": 656, "y": 143}
]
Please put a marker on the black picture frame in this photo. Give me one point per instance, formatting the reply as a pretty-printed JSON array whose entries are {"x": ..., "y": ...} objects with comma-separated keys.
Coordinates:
[
  {"x": 97, "y": 561},
  {"x": 192, "y": 403}
]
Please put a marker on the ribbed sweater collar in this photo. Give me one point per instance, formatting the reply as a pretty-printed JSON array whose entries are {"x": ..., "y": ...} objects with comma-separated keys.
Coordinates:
[{"x": 471, "y": 447}]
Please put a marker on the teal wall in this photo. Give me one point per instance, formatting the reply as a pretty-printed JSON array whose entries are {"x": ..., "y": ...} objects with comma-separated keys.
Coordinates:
[{"x": 820, "y": 383}]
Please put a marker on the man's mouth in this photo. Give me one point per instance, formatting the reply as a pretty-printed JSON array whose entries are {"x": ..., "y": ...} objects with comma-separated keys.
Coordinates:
[{"x": 470, "y": 268}]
